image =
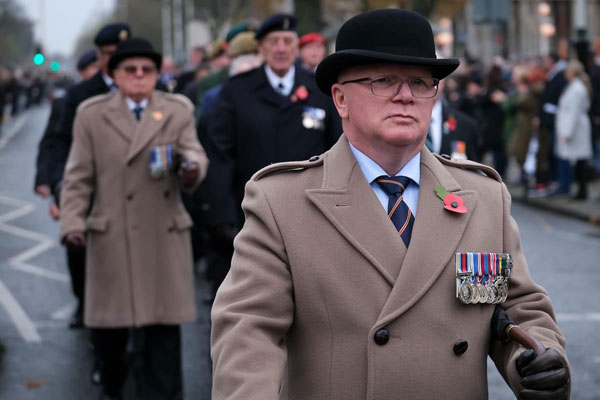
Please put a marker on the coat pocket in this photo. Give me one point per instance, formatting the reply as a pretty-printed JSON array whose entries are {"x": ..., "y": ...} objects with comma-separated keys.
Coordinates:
[
  {"x": 97, "y": 223},
  {"x": 183, "y": 221}
]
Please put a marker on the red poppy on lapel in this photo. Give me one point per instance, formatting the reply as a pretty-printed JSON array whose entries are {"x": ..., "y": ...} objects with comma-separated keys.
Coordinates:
[
  {"x": 452, "y": 202},
  {"x": 452, "y": 123},
  {"x": 300, "y": 93}
]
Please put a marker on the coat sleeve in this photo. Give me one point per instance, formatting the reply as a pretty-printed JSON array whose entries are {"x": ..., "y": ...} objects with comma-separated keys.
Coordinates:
[
  {"x": 528, "y": 304},
  {"x": 79, "y": 180},
  {"x": 253, "y": 309},
  {"x": 221, "y": 148},
  {"x": 189, "y": 146}
]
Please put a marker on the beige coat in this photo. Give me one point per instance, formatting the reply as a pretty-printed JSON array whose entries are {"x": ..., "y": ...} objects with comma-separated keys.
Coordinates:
[
  {"x": 139, "y": 260},
  {"x": 318, "y": 269}
]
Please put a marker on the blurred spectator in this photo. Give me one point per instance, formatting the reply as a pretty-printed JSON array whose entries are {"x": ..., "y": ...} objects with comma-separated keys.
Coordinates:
[
  {"x": 196, "y": 57},
  {"x": 555, "y": 83},
  {"x": 313, "y": 49},
  {"x": 573, "y": 130},
  {"x": 595, "y": 106},
  {"x": 491, "y": 117},
  {"x": 524, "y": 104},
  {"x": 168, "y": 74}
]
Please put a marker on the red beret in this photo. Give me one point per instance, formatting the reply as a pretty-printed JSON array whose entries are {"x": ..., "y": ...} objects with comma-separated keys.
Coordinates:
[{"x": 310, "y": 38}]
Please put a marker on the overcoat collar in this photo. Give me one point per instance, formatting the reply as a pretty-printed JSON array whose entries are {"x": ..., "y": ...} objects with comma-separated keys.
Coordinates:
[
  {"x": 267, "y": 94},
  {"x": 349, "y": 203},
  {"x": 137, "y": 134}
]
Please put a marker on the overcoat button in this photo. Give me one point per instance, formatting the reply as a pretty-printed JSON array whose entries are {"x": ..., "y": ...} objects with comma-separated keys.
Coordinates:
[
  {"x": 130, "y": 196},
  {"x": 171, "y": 229},
  {"x": 313, "y": 158},
  {"x": 382, "y": 336},
  {"x": 460, "y": 347},
  {"x": 167, "y": 193}
]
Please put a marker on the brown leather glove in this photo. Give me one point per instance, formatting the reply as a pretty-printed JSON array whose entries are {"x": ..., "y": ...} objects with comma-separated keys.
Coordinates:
[
  {"x": 545, "y": 377},
  {"x": 75, "y": 238},
  {"x": 188, "y": 174}
]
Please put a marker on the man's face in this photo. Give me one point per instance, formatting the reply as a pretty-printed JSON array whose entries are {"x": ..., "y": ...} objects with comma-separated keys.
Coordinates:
[
  {"x": 89, "y": 71},
  {"x": 104, "y": 53},
  {"x": 279, "y": 49},
  {"x": 312, "y": 54},
  {"x": 136, "y": 77},
  {"x": 376, "y": 125}
]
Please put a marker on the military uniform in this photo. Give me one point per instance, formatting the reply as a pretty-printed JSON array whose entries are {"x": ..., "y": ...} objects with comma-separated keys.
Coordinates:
[
  {"x": 324, "y": 300},
  {"x": 459, "y": 133},
  {"x": 254, "y": 126}
]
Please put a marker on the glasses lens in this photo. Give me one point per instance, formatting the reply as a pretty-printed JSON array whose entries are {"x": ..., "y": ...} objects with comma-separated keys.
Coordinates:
[
  {"x": 132, "y": 69},
  {"x": 389, "y": 86}
]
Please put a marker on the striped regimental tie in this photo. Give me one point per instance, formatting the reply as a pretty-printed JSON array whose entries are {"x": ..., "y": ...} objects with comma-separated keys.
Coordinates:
[{"x": 398, "y": 211}]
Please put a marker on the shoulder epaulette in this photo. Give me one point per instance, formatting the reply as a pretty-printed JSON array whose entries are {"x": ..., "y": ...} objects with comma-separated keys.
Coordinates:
[
  {"x": 179, "y": 98},
  {"x": 94, "y": 100},
  {"x": 288, "y": 167},
  {"x": 469, "y": 165}
]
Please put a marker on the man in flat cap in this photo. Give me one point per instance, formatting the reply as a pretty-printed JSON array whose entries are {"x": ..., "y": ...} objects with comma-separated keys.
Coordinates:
[
  {"x": 134, "y": 149},
  {"x": 343, "y": 283},
  {"x": 269, "y": 114}
]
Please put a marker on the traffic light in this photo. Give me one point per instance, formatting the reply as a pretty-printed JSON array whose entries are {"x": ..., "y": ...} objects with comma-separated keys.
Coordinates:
[
  {"x": 55, "y": 66},
  {"x": 38, "y": 57}
]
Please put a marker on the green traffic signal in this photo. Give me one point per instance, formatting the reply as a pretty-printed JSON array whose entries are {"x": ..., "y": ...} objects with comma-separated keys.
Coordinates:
[
  {"x": 38, "y": 59},
  {"x": 55, "y": 66}
]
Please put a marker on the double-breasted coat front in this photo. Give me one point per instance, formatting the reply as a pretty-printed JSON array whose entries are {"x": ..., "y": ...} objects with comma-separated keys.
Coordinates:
[
  {"x": 324, "y": 301},
  {"x": 138, "y": 245}
]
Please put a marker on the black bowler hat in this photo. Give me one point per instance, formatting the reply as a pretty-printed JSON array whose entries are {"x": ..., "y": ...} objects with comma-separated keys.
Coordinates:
[
  {"x": 134, "y": 47},
  {"x": 383, "y": 36},
  {"x": 86, "y": 59},
  {"x": 276, "y": 22},
  {"x": 112, "y": 34}
]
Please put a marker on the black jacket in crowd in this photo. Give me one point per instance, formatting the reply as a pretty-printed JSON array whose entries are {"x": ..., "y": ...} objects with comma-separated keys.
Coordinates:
[{"x": 253, "y": 126}]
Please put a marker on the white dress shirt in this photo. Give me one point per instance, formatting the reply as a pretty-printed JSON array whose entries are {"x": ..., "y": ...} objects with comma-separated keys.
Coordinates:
[
  {"x": 371, "y": 170},
  {"x": 287, "y": 80}
]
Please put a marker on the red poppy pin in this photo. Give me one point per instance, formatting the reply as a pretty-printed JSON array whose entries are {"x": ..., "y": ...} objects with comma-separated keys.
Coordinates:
[
  {"x": 300, "y": 93},
  {"x": 452, "y": 202},
  {"x": 452, "y": 123}
]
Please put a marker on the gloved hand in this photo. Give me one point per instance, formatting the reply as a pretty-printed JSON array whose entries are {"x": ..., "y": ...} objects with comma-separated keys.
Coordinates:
[
  {"x": 188, "y": 174},
  {"x": 75, "y": 238},
  {"x": 545, "y": 377}
]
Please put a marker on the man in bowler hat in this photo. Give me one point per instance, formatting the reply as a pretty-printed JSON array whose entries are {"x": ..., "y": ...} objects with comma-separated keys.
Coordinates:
[
  {"x": 134, "y": 149},
  {"x": 343, "y": 279}
]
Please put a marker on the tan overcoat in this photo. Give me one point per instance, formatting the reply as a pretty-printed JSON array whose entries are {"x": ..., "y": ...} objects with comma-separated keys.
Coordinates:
[
  {"x": 139, "y": 260},
  {"x": 319, "y": 268}
]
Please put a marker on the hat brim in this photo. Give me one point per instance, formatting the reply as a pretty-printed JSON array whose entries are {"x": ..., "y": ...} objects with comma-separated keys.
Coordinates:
[
  {"x": 114, "y": 61},
  {"x": 328, "y": 70}
]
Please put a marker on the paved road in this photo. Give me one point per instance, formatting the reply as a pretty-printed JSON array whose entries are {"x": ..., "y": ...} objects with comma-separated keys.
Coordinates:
[{"x": 45, "y": 360}]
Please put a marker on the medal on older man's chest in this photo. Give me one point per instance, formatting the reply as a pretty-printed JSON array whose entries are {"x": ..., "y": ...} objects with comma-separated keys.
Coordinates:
[{"x": 482, "y": 278}]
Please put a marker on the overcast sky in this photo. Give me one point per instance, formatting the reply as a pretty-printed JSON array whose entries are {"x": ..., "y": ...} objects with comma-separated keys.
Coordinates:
[{"x": 64, "y": 20}]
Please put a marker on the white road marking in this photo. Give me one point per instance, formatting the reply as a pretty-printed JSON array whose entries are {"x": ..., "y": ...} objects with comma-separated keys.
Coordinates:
[
  {"x": 21, "y": 320},
  {"x": 63, "y": 313},
  {"x": 19, "y": 317},
  {"x": 578, "y": 316},
  {"x": 12, "y": 130}
]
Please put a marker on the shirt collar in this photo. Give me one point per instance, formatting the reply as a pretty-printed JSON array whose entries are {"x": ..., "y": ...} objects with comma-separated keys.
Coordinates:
[
  {"x": 110, "y": 83},
  {"x": 132, "y": 104},
  {"x": 287, "y": 80},
  {"x": 372, "y": 170}
]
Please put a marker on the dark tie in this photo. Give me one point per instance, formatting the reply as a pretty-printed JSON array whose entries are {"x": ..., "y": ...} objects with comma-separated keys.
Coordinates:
[
  {"x": 281, "y": 89},
  {"x": 137, "y": 111},
  {"x": 398, "y": 211}
]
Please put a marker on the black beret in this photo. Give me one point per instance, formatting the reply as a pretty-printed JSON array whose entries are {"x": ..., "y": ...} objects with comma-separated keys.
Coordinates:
[
  {"x": 86, "y": 59},
  {"x": 112, "y": 34},
  {"x": 276, "y": 22}
]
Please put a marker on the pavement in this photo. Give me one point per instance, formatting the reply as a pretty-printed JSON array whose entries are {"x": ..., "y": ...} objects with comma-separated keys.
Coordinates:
[{"x": 587, "y": 210}]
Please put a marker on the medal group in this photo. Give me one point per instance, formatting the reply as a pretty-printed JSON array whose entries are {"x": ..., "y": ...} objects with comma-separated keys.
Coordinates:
[{"x": 482, "y": 278}]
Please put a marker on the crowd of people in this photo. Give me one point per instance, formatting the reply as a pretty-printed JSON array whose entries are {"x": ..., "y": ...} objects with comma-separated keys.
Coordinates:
[{"x": 139, "y": 140}]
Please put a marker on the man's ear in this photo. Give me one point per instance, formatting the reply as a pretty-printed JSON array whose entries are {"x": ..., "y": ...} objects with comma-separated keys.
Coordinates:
[{"x": 339, "y": 100}]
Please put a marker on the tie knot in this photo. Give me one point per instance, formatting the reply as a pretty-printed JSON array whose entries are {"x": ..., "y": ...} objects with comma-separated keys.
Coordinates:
[{"x": 392, "y": 185}]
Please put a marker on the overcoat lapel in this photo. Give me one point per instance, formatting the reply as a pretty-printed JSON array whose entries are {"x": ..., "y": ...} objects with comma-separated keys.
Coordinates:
[
  {"x": 349, "y": 203},
  {"x": 436, "y": 235},
  {"x": 155, "y": 116},
  {"x": 265, "y": 91},
  {"x": 119, "y": 117}
]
